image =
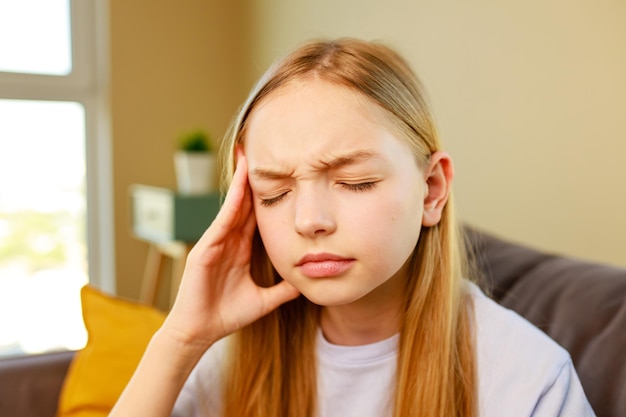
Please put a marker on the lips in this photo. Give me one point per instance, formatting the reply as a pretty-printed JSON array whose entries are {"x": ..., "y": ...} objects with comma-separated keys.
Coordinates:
[{"x": 324, "y": 265}]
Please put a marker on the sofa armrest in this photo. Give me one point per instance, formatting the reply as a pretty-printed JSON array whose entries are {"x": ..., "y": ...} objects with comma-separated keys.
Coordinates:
[{"x": 30, "y": 385}]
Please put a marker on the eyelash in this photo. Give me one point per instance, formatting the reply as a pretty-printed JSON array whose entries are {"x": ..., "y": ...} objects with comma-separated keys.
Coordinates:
[
  {"x": 269, "y": 202},
  {"x": 358, "y": 187},
  {"x": 362, "y": 186}
]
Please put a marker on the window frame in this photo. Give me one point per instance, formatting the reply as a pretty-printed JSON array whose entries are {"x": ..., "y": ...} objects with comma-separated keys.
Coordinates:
[{"x": 87, "y": 84}]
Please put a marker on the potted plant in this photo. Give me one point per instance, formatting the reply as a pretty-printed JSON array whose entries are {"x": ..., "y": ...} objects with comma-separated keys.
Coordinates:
[{"x": 195, "y": 163}]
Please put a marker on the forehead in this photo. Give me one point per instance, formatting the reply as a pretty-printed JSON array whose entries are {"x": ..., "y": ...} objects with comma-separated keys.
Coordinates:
[
  {"x": 312, "y": 99},
  {"x": 315, "y": 117}
]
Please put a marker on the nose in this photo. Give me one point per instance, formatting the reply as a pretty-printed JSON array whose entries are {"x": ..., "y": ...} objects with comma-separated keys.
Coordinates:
[{"x": 314, "y": 213}]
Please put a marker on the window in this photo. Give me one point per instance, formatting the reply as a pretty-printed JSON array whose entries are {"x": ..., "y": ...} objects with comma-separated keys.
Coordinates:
[
  {"x": 54, "y": 175},
  {"x": 46, "y": 50}
]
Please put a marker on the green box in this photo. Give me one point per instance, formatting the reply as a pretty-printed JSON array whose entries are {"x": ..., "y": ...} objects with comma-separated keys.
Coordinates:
[{"x": 162, "y": 215}]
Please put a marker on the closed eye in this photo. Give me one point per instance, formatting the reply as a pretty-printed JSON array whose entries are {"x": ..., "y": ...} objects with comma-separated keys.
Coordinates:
[
  {"x": 269, "y": 202},
  {"x": 361, "y": 186}
]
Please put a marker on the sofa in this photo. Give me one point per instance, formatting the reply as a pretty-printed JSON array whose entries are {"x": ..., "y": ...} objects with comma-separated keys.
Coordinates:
[
  {"x": 30, "y": 385},
  {"x": 582, "y": 305}
]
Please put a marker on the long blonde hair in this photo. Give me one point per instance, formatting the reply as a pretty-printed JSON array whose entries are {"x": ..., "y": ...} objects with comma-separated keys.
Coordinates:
[{"x": 272, "y": 368}]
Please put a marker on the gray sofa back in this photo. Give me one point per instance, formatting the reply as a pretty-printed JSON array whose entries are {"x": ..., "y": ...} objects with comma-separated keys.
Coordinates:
[
  {"x": 30, "y": 385},
  {"x": 581, "y": 305}
]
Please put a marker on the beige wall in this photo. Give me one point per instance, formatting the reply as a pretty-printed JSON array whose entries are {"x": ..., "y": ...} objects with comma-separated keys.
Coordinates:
[
  {"x": 530, "y": 98},
  {"x": 175, "y": 66}
]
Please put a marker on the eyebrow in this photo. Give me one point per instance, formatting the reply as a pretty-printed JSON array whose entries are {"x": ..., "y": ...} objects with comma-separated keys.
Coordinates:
[
  {"x": 268, "y": 174},
  {"x": 352, "y": 158},
  {"x": 349, "y": 159}
]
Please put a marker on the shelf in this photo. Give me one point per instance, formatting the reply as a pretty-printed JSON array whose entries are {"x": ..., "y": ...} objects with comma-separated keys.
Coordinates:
[{"x": 162, "y": 215}]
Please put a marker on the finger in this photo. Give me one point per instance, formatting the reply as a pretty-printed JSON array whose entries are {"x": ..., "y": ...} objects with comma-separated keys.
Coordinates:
[
  {"x": 229, "y": 213},
  {"x": 238, "y": 190},
  {"x": 246, "y": 208},
  {"x": 250, "y": 220},
  {"x": 278, "y": 294}
]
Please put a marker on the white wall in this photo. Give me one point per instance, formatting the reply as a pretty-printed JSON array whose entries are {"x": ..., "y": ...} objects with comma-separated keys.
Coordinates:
[{"x": 530, "y": 98}]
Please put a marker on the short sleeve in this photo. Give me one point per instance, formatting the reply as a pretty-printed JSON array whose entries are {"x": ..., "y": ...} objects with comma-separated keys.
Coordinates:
[
  {"x": 565, "y": 397},
  {"x": 520, "y": 369}
]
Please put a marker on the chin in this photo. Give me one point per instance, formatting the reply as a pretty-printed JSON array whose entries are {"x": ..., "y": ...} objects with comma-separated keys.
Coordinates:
[{"x": 330, "y": 298}]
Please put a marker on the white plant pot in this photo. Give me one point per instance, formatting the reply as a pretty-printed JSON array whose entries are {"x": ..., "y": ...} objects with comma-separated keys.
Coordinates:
[{"x": 196, "y": 172}]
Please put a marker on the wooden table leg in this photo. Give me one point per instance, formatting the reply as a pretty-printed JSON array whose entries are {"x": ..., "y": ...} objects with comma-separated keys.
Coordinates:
[
  {"x": 151, "y": 276},
  {"x": 176, "y": 250}
]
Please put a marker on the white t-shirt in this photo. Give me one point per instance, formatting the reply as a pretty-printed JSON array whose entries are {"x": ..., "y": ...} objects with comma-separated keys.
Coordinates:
[{"x": 521, "y": 372}]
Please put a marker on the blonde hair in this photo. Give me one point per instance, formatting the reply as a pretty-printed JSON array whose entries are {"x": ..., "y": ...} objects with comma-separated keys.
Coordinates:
[{"x": 272, "y": 370}]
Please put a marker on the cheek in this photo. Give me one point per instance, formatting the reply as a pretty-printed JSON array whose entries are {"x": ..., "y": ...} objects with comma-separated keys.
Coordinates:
[
  {"x": 265, "y": 225},
  {"x": 396, "y": 225},
  {"x": 272, "y": 230}
]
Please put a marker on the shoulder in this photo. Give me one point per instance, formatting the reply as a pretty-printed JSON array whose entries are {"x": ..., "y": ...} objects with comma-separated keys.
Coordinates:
[
  {"x": 502, "y": 334},
  {"x": 519, "y": 367}
]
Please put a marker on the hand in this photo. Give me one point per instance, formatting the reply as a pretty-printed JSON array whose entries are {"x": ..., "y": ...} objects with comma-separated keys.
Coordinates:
[{"x": 217, "y": 295}]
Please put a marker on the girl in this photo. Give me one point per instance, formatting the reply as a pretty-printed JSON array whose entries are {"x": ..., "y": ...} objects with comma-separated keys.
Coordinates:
[{"x": 336, "y": 266}]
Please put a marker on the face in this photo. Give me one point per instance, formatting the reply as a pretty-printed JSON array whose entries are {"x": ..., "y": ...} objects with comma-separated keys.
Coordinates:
[{"x": 338, "y": 198}]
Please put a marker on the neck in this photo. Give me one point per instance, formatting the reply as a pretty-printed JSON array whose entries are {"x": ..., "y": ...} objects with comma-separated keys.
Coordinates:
[{"x": 370, "y": 319}]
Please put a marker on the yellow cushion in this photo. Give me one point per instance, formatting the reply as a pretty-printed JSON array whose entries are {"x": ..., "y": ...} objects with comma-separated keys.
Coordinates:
[{"x": 118, "y": 333}]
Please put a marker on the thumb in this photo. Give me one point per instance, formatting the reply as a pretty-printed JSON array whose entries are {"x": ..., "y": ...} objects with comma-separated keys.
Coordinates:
[{"x": 279, "y": 294}]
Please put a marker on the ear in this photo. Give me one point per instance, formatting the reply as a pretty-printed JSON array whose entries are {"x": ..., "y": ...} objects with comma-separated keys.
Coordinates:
[{"x": 439, "y": 175}]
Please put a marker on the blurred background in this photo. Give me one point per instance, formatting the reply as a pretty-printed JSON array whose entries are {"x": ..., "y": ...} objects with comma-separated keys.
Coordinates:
[{"x": 529, "y": 98}]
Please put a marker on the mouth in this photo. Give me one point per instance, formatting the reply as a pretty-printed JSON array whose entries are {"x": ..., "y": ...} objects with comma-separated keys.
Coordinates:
[{"x": 324, "y": 265}]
